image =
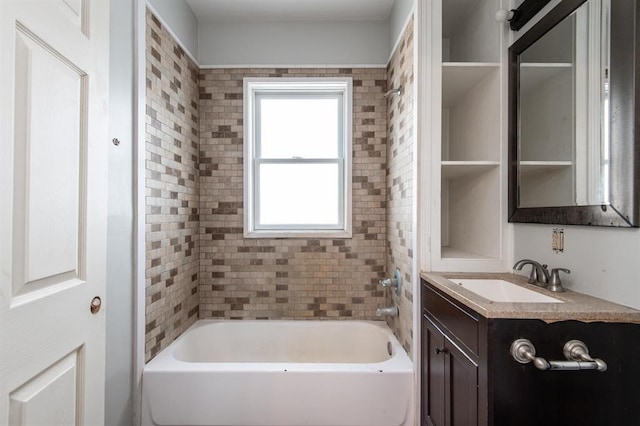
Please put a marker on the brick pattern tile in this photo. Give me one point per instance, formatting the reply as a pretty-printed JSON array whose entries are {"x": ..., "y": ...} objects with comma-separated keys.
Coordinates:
[
  {"x": 289, "y": 278},
  {"x": 400, "y": 183},
  {"x": 172, "y": 240}
]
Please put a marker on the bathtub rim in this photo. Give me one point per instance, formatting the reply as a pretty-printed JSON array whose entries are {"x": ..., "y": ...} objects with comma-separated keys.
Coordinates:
[{"x": 165, "y": 361}]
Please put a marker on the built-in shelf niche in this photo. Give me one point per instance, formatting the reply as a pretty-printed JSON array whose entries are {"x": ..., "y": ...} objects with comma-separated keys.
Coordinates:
[
  {"x": 471, "y": 112},
  {"x": 459, "y": 78},
  {"x": 470, "y": 172},
  {"x": 458, "y": 169},
  {"x": 469, "y": 31},
  {"x": 471, "y": 226}
]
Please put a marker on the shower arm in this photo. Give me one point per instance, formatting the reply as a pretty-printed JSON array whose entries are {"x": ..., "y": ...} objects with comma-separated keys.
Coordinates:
[{"x": 396, "y": 91}]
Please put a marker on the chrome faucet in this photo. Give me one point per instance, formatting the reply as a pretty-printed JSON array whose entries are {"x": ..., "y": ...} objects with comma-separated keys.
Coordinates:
[{"x": 539, "y": 273}]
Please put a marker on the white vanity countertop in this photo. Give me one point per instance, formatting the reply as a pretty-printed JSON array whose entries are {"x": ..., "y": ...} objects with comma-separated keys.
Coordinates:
[{"x": 576, "y": 306}]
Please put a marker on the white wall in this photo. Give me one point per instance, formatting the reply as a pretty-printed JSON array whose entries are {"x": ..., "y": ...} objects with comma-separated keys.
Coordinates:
[
  {"x": 604, "y": 262},
  {"x": 119, "y": 301},
  {"x": 399, "y": 15},
  {"x": 240, "y": 43},
  {"x": 180, "y": 19},
  {"x": 293, "y": 43}
]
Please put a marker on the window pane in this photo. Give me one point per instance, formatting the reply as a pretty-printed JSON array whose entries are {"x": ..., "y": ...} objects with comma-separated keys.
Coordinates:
[
  {"x": 299, "y": 127},
  {"x": 299, "y": 194}
]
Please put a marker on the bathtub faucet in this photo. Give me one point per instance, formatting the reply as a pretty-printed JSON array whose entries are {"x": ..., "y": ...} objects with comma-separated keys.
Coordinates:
[{"x": 390, "y": 311}]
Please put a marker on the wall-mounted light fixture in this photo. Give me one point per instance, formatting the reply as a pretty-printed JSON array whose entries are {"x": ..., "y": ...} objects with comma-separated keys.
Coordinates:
[{"x": 517, "y": 18}]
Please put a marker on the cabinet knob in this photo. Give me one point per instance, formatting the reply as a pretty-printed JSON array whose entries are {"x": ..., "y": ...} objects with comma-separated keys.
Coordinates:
[{"x": 441, "y": 350}]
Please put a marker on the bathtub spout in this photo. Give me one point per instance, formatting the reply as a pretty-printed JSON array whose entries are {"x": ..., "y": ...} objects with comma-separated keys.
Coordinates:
[{"x": 390, "y": 311}]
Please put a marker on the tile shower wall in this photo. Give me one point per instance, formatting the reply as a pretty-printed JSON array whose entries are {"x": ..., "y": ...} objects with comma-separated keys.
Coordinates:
[
  {"x": 400, "y": 183},
  {"x": 289, "y": 278},
  {"x": 172, "y": 260}
]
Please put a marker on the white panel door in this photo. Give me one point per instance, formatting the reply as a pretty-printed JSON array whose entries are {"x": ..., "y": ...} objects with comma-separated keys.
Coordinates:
[{"x": 53, "y": 141}]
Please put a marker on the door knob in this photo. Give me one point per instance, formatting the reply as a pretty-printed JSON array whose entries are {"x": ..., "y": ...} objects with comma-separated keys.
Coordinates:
[{"x": 96, "y": 304}]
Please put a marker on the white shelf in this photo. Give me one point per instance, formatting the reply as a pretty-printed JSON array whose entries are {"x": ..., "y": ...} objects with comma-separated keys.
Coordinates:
[
  {"x": 534, "y": 167},
  {"x": 456, "y": 253},
  {"x": 546, "y": 65},
  {"x": 534, "y": 73},
  {"x": 458, "y": 169},
  {"x": 460, "y": 77}
]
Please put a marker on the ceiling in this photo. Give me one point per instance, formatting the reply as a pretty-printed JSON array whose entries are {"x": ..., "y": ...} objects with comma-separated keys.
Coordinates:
[{"x": 291, "y": 10}]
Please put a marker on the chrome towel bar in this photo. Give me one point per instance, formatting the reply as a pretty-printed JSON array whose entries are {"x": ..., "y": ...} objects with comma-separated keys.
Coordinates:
[{"x": 575, "y": 351}]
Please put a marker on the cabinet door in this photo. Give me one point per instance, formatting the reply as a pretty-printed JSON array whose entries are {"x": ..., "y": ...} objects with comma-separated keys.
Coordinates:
[
  {"x": 433, "y": 375},
  {"x": 461, "y": 388}
]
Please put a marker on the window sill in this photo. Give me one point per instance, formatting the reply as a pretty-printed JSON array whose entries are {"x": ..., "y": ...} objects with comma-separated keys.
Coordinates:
[{"x": 298, "y": 234}]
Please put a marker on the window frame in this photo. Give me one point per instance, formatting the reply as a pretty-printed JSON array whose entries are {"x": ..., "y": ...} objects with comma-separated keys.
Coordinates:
[{"x": 274, "y": 87}]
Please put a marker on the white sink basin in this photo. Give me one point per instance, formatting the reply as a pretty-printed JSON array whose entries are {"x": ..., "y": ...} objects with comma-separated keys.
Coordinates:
[{"x": 503, "y": 291}]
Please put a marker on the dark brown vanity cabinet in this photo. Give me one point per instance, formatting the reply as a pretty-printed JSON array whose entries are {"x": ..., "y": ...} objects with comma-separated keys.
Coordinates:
[
  {"x": 469, "y": 377},
  {"x": 450, "y": 362},
  {"x": 452, "y": 385}
]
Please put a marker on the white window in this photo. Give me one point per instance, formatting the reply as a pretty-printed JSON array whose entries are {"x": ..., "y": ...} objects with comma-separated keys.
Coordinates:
[{"x": 297, "y": 157}]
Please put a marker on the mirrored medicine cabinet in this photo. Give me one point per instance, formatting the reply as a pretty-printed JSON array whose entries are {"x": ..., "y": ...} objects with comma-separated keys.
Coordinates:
[{"x": 573, "y": 87}]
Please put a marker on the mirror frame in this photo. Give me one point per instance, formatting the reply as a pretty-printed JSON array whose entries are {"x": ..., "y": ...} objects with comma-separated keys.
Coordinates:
[{"x": 624, "y": 77}]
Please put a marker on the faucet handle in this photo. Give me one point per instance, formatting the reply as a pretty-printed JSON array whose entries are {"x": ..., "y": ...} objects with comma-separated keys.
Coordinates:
[
  {"x": 389, "y": 282},
  {"x": 555, "y": 283},
  {"x": 395, "y": 283}
]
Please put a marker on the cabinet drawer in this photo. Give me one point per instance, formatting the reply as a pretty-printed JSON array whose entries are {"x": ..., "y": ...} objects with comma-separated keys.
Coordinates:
[{"x": 458, "y": 322}]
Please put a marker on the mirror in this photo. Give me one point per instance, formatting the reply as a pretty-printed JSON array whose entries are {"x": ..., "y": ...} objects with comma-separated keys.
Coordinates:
[
  {"x": 572, "y": 117},
  {"x": 563, "y": 84}
]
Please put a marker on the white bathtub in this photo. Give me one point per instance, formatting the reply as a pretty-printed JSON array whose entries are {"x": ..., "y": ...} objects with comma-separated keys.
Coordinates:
[{"x": 293, "y": 373}]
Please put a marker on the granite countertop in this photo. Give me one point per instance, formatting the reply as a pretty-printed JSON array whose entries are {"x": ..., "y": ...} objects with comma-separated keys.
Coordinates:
[{"x": 576, "y": 306}]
